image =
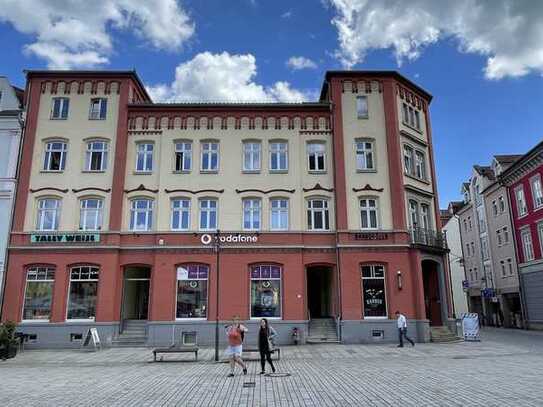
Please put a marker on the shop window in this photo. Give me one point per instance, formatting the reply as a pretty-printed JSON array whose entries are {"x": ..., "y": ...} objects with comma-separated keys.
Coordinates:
[
  {"x": 83, "y": 292},
  {"x": 373, "y": 291},
  {"x": 192, "y": 291},
  {"x": 317, "y": 214},
  {"x": 183, "y": 156},
  {"x": 278, "y": 156},
  {"x": 48, "y": 214},
  {"x": 90, "y": 214},
  {"x": 38, "y": 293},
  {"x": 55, "y": 156},
  {"x": 266, "y": 291},
  {"x": 96, "y": 157},
  {"x": 278, "y": 214}
]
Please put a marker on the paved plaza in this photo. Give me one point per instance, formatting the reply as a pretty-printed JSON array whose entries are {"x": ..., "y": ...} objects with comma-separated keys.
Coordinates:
[{"x": 504, "y": 369}]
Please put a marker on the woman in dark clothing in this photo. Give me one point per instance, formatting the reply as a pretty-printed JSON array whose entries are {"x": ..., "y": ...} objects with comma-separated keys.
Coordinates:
[{"x": 265, "y": 344}]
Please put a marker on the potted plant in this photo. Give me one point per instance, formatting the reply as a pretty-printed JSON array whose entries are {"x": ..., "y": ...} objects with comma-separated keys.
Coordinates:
[{"x": 8, "y": 341}]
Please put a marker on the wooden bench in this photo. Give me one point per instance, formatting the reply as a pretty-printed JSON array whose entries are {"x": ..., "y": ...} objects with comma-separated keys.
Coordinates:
[
  {"x": 276, "y": 351},
  {"x": 176, "y": 349}
]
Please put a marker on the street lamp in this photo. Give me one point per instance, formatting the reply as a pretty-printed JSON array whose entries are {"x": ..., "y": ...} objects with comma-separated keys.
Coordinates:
[{"x": 217, "y": 246}]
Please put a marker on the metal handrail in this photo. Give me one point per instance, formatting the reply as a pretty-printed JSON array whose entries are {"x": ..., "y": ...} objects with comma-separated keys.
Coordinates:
[{"x": 428, "y": 237}]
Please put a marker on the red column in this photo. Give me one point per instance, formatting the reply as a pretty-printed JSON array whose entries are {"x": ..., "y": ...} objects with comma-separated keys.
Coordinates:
[
  {"x": 60, "y": 292},
  {"x": 108, "y": 289},
  {"x": 418, "y": 284},
  {"x": 14, "y": 289},
  {"x": 163, "y": 289}
]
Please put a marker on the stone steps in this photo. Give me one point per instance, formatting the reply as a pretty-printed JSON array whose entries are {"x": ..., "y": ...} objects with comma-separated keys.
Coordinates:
[{"x": 442, "y": 334}]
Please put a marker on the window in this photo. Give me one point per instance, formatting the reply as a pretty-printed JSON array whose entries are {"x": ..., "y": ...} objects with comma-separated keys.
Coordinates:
[
  {"x": 180, "y": 214},
  {"x": 266, "y": 291},
  {"x": 144, "y": 157},
  {"x": 501, "y": 204},
  {"x": 141, "y": 214},
  {"x": 373, "y": 291},
  {"x": 90, "y": 214},
  {"x": 425, "y": 216},
  {"x": 527, "y": 245},
  {"x": 505, "y": 235},
  {"x": 183, "y": 156},
  {"x": 362, "y": 107},
  {"x": 278, "y": 156},
  {"x": 55, "y": 156},
  {"x": 467, "y": 250},
  {"x": 208, "y": 214},
  {"x": 465, "y": 225},
  {"x": 537, "y": 192},
  {"x": 473, "y": 248},
  {"x": 494, "y": 208},
  {"x": 38, "y": 293},
  {"x": 521, "y": 202},
  {"x": 192, "y": 291},
  {"x": 317, "y": 214},
  {"x": 481, "y": 218},
  {"x": 470, "y": 224},
  {"x": 499, "y": 237},
  {"x": 414, "y": 213},
  {"x": 484, "y": 248},
  {"x": 540, "y": 236},
  {"x": 210, "y": 156},
  {"x": 96, "y": 158},
  {"x": 502, "y": 265},
  {"x": 420, "y": 165},
  {"x": 60, "y": 107},
  {"x": 475, "y": 272},
  {"x": 251, "y": 214},
  {"x": 369, "y": 213},
  {"x": 316, "y": 156},
  {"x": 83, "y": 291},
  {"x": 251, "y": 156},
  {"x": 510, "y": 266},
  {"x": 48, "y": 214},
  {"x": 278, "y": 214},
  {"x": 364, "y": 155},
  {"x": 98, "y": 109},
  {"x": 408, "y": 159},
  {"x": 410, "y": 116}
]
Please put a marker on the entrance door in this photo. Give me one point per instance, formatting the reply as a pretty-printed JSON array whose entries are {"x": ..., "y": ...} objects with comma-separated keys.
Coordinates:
[
  {"x": 136, "y": 293},
  {"x": 319, "y": 291},
  {"x": 432, "y": 297}
]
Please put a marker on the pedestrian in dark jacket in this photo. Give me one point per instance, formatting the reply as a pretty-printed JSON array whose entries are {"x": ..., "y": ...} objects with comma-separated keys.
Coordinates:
[{"x": 265, "y": 344}]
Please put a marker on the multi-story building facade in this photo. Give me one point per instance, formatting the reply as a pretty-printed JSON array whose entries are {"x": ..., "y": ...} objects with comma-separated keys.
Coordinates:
[
  {"x": 525, "y": 193},
  {"x": 11, "y": 101},
  {"x": 488, "y": 250},
  {"x": 179, "y": 215},
  {"x": 451, "y": 228}
]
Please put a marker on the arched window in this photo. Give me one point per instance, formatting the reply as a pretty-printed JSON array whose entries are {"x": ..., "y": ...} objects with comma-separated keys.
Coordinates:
[
  {"x": 252, "y": 214},
  {"x": 55, "y": 155},
  {"x": 83, "y": 292},
  {"x": 192, "y": 291},
  {"x": 266, "y": 291},
  {"x": 318, "y": 217}
]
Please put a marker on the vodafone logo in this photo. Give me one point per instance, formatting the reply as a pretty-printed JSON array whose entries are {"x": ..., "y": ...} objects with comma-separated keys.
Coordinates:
[{"x": 206, "y": 239}]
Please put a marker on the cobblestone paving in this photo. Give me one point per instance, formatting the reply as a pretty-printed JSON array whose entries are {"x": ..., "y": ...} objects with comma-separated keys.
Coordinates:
[{"x": 505, "y": 369}]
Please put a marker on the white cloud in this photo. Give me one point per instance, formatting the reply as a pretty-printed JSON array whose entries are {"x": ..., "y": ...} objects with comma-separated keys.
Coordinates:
[
  {"x": 223, "y": 78},
  {"x": 507, "y": 32},
  {"x": 72, "y": 34},
  {"x": 297, "y": 63}
]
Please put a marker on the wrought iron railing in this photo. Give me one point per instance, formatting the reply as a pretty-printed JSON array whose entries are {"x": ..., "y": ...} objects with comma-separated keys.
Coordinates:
[{"x": 427, "y": 237}]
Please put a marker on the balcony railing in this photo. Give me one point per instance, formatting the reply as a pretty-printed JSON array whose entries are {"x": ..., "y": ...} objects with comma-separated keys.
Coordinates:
[{"x": 427, "y": 237}]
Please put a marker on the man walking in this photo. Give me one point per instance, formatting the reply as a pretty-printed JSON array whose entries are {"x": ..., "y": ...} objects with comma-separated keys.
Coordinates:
[{"x": 402, "y": 329}]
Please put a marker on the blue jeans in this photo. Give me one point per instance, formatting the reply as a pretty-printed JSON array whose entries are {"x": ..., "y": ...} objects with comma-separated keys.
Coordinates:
[{"x": 402, "y": 333}]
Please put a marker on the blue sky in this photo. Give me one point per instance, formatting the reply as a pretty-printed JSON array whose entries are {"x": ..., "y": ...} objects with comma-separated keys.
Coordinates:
[{"x": 475, "y": 58}]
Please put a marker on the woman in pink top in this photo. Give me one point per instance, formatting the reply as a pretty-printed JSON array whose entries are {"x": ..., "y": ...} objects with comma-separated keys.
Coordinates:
[{"x": 235, "y": 334}]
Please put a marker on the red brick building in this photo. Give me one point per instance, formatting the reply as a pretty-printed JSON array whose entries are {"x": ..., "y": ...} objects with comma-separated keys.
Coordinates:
[{"x": 327, "y": 211}]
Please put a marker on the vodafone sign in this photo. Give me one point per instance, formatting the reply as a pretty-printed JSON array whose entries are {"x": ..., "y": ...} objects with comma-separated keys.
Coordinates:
[{"x": 207, "y": 239}]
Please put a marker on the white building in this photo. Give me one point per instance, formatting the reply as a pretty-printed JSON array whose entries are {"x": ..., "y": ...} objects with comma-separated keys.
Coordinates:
[{"x": 11, "y": 101}]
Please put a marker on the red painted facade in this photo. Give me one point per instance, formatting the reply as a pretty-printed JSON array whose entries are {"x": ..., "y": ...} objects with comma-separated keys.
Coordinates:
[{"x": 339, "y": 250}]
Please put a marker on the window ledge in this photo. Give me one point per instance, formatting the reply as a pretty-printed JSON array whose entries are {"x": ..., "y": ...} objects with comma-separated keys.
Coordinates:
[
  {"x": 359, "y": 171},
  {"x": 316, "y": 172},
  {"x": 181, "y": 172},
  {"x": 51, "y": 171},
  {"x": 250, "y": 171},
  {"x": 423, "y": 180},
  {"x": 411, "y": 127},
  {"x": 32, "y": 321},
  {"x": 59, "y": 118},
  {"x": 93, "y": 171},
  {"x": 537, "y": 209},
  {"x": 79, "y": 320},
  {"x": 209, "y": 171},
  {"x": 191, "y": 319},
  {"x": 365, "y": 117},
  {"x": 142, "y": 172},
  {"x": 97, "y": 118},
  {"x": 278, "y": 171}
]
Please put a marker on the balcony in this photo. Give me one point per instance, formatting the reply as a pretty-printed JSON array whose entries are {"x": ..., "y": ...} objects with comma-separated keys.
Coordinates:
[{"x": 428, "y": 239}]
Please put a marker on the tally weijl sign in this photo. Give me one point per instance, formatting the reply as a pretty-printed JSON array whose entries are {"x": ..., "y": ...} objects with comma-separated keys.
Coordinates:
[
  {"x": 233, "y": 238},
  {"x": 65, "y": 238}
]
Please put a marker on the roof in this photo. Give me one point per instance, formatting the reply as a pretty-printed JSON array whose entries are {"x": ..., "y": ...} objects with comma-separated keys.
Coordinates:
[
  {"x": 83, "y": 73},
  {"x": 485, "y": 171},
  {"x": 507, "y": 176},
  {"x": 382, "y": 74},
  {"x": 9, "y": 112},
  {"x": 507, "y": 159}
]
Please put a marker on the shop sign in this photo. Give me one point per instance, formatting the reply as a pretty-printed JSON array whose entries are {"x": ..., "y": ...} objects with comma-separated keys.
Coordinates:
[
  {"x": 371, "y": 236},
  {"x": 65, "y": 238},
  {"x": 229, "y": 238}
]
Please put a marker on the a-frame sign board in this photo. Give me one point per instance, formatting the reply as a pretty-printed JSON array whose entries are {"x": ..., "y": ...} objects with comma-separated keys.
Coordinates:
[{"x": 92, "y": 336}]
